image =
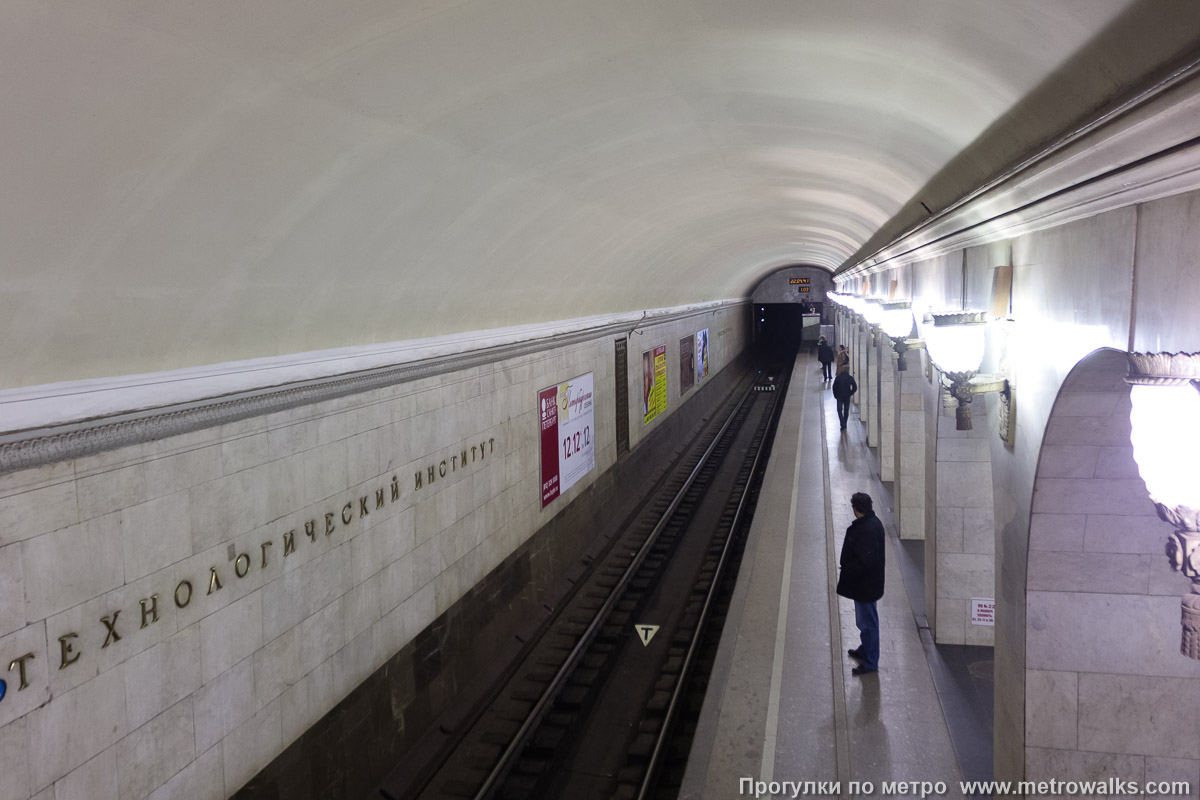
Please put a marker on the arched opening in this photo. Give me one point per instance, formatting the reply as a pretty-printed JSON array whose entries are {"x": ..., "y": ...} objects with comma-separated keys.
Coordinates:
[{"x": 1107, "y": 692}]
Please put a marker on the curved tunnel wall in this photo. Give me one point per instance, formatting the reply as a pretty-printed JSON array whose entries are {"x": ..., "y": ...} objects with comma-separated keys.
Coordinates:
[{"x": 190, "y": 185}]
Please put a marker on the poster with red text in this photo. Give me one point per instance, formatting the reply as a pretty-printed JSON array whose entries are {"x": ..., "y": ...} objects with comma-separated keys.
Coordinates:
[{"x": 566, "y": 417}]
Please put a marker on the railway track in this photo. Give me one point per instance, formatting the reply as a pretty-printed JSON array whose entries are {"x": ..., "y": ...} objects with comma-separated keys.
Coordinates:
[{"x": 594, "y": 708}]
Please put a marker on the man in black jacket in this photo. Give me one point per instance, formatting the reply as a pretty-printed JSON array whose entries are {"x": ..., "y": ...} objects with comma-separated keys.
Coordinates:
[
  {"x": 844, "y": 387},
  {"x": 862, "y": 579},
  {"x": 825, "y": 356}
]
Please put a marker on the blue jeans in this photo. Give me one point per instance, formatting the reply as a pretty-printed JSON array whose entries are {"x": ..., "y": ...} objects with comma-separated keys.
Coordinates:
[
  {"x": 843, "y": 409},
  {"x": 866, "y": 617}
]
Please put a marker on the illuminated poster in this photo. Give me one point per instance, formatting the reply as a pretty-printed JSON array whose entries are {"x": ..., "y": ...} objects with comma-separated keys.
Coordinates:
[
  {"x": 654, "y": 383},
  {"x": 702, "y": 355},
  {"x": 687, "y": 364},
  {"x": 567, "y": 422}
]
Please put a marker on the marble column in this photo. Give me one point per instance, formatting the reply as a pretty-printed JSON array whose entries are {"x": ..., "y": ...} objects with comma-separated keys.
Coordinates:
[
  {"x": 960, "y": 547},
  {"x": 909, "y": 436},
  {"x": 874, "y": 371},
  {"x": 861, "y": 368},
  {"x": 887, "y": 409}
]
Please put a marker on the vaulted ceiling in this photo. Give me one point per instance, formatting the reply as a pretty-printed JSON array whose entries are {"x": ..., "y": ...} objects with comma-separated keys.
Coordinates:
[{"x": 206, "y": 180}]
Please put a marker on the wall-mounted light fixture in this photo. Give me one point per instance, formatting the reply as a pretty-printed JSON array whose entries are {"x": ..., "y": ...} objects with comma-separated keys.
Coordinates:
[
  {"x": 1165, "y": 420},
  {"x": 873, "y": 313},
  {"x": 956, "y": 341},
  {"x": 898, "y": 324}
]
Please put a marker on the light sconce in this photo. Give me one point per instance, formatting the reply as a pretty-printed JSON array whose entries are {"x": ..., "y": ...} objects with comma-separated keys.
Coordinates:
[
  {"x": 898, "y": 324},
  {"x": 873, "y": 314},
  {"x": 873, "y": 310},
  {"x": 855, "y": 304},
  {"x": 956, "y": 343},
  {"x": 1165, "y": 397}
]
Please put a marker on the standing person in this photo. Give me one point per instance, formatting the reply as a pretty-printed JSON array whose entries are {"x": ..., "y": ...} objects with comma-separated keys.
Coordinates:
[
  {"x": 843, "y": 357},
  {"x": 825, "y": 356},
  {"x": 861, "y": 580},
  {"x": 844, "y": 387}
]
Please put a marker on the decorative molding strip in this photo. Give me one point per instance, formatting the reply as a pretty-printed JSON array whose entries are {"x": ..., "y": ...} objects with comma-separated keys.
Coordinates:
[
  {"x": 34, "y": 448},
  {"x": 1142, "y": 150}
]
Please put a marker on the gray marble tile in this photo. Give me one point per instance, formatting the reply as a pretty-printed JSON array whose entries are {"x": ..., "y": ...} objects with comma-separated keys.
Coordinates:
[
  {"x": 1056, "y": 531},
  {"x": 1051, "y": 709},
  {"x": 1115, "y": 573},
  {"x": 1068, "y": 461},
  {"x": 1139, "y": 714}
]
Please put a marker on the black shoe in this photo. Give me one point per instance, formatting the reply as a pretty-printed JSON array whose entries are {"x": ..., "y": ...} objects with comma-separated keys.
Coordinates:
[
  {"x": 855, "y": 653},
  {"x": 860, "y": 671}
]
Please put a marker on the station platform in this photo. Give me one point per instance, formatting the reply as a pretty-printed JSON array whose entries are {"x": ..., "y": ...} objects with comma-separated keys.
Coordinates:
[{"x": 782, "y": 705}]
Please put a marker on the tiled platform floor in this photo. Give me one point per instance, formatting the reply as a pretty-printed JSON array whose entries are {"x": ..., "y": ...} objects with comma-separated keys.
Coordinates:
[{"x": 782, "y": 704}]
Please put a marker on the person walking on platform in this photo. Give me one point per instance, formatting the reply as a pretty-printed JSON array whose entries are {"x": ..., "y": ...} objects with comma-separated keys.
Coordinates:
[
  {"x": 825, "y": 356},
  {"x": 844, "y": 387},
  {"x": 861, "y": 580},
  {"x": 843, "y": 357}
]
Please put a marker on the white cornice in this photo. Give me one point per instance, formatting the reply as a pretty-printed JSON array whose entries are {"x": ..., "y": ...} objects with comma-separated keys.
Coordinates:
[
  {"x": 1145, "y": 149},
  {"x": 53, "y": 422}
]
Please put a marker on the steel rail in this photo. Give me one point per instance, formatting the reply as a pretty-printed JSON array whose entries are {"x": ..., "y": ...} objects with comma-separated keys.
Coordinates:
[
  {"x": 709, "y": 598},
  {"x": 535, "y": 714}
]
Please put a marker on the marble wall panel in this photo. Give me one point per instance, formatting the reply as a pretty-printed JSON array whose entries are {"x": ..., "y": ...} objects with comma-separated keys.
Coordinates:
[
  {"x": 251, "y": 746},
  {"x": 162, "y": 676},
  {"x": 14, "y": 761},
  {"x": 1068, "y": 461},
  {"x": 979, "y": 530},
  {"x": 949, "y": 529},
  {"x": 1085, "y": 431},
  {"x": 258, "y": 660},
  {"x": 89, "y": 554},
  {"x": 94, "y": 780},
  {"x": 12, "y": 590},
  {"x": 965, "y": 575},
  {"x": 1139, "y": 714},
  {"x": 1057, "y": 532},
  {"x": 964, "y": 484},
  {"x": 952, "y": 449},
  {"x": 155, "y": 534},
  {"x": 1117, "y": 462},
  {"x": 1087, "y": 404},
  {"x": 38, "y": 510},
  {"x": 230, "y": 635},
  {"x": 151, "y": 754},
  {"x": 1084, "y": 572},
  {"x": 1172, "y": 770},
  {"x": 1091, "y": 496},
  {"x": 1046, "y": 764},
  {"x": 1167, "y": 252},
  {"x": 1132, "y": 634},
  {"x": 93, "y": 712}
]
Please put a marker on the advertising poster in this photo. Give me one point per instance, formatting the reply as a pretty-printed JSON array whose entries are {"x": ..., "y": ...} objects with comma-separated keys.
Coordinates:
[
  {"x": 654, "y": 383},
  {"x": 687, "y": 364},
  {"x": 702, "y": 355},
  {"x": 567, "y": 421}
]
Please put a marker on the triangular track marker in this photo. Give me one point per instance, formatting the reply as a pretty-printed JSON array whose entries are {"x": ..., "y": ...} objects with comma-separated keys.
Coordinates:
[{"x": 646, "y": 632}]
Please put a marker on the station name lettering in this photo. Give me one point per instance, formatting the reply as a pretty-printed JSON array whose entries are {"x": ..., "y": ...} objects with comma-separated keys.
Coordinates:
[{"x": 149, "y": 610}]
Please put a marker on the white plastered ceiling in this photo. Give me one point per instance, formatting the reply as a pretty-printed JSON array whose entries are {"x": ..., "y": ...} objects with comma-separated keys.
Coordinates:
[{"x": 199, "y": 181}]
